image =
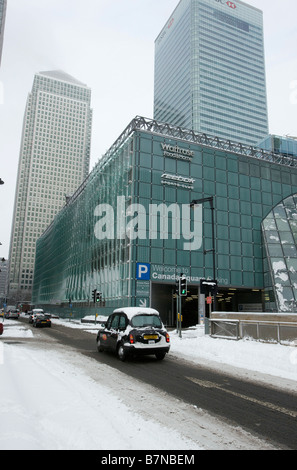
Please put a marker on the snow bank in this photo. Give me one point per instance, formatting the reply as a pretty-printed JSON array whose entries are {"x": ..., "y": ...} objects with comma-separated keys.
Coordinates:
[
  {"x": 51, "y": 404},
  {"x": 272, "y": 359},
  {"x": 14, "y": 329},
  {"x": 52, "y": 400}
]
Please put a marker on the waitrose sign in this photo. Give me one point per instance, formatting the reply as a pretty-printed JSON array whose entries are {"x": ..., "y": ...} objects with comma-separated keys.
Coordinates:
[{"x": 174, "y": 151}]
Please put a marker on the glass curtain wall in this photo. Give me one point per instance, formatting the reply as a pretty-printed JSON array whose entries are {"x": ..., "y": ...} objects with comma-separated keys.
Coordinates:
[
  {"x": 73, "y": 260},
  {"x": 280, "y": 242}
]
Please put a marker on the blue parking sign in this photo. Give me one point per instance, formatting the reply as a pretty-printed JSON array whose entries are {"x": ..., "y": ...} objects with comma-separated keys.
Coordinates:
[{"x": 143, "y": 271}]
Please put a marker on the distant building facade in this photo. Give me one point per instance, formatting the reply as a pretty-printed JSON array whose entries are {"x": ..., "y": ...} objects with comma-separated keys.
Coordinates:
[
  {"x": 135, "y": 232},
  {"x": 280, "y": 144},
  {"x": 3, "y": 279},
  {"x": 210, "y": 70},
  {"x": 54, "y": 161}
]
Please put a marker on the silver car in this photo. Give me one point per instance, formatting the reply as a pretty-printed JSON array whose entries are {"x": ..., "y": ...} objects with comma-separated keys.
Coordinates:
[{"x": 13, "y": 313}]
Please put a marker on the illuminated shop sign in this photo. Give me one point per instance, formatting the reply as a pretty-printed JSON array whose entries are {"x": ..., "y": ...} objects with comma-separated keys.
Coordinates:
[
  {"x": 174, "y": 151},
  {"x": 179, "y": 181}
]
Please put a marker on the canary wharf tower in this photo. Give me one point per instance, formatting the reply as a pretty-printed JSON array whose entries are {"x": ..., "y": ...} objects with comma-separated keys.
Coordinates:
[
  {"x": 53, "y": 163},
  {"x": 210, "y": 70}
]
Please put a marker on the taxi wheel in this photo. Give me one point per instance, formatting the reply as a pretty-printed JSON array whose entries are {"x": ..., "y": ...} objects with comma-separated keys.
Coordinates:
[
  {"x": 99, "y": 347},
  {"x": 121, "y": 352}
]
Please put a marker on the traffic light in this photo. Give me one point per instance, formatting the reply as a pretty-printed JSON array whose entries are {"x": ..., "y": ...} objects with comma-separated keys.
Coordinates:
[
  {"x": 183, "y": 287},
  {"x": 94, "y": 295},
  {"x": 98, "y": 296},
  {"x": 177, "y": 286}
]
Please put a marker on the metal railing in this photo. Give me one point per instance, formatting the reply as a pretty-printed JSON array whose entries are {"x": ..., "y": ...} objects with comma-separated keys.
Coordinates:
[{"x": 265, "y": 331}]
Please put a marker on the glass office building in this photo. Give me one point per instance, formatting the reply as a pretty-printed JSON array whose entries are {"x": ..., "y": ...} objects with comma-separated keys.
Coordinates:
[
  {"x": 210, "y": 70},
  {"x": 129, "y": 231},
  {"x": 54, "y": 161}
]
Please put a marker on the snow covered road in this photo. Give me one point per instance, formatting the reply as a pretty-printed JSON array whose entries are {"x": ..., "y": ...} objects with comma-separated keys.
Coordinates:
[{"x": 55, "y": 398}]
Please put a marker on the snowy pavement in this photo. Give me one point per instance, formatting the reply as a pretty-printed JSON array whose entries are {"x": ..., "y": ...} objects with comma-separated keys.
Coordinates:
[{"x": 55, "y": 398}]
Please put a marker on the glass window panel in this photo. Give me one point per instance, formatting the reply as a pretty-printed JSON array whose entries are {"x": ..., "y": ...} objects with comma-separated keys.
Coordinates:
[
  {"x": 256, "y": 196},
  {"x": 248, "y": 278},
  {"x": 286, "y": 294},
  {"x": 145, "y": 175},
  {"x": 282, "y": 224},
  {"x": 145, "y": 160},
  {"x": 157, "y": 255},
  {"x": 145, "y": 190},
  {"x": 275, "y": 250},
  {"x": 208, "y": 173},
  {"x": 269, "y": 223},
  {"x": 293, "y": 277},
  {"x": 233, "y": 192},
  {"x": 272, "y": 236},
  {"x": 290, "y": 251},
  {"x": 157, "y": 192},
  {"x": 292, "y": 265},
  {"x": 232, "y": 165},
  {"x": 236, "y": 278},
  {"x": 169, "y": 257},
  {"x": 221, "y": 190},
  {"x": 280, "y": 212},
  {"x": 235, "y": 262},
  {"x": 235, "y": 248},
  {"x": 158, "y": 163},
  {"x": 183, "y": 258},
  {"x": 183, "y": 168},
  {"x": 286, "y": 237},
  {"x": 295, "y": 292},
  {"x": 248, "y": 264},
  {"x": 170, "y": 165},
  {"x": 221, "y": 176}
]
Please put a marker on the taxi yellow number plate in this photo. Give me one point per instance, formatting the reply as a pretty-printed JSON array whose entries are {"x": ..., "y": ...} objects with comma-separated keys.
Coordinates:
[{"x": 150, "y": 337}]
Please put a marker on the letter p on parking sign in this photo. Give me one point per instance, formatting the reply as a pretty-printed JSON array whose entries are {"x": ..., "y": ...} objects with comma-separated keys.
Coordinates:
[{"x": 143, "y": 271}]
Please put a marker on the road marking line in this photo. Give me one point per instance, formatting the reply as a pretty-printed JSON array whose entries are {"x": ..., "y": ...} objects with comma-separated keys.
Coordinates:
[{"x": 206, "y": 384}]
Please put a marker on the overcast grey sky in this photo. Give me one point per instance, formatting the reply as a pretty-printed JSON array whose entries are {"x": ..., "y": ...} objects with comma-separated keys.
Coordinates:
[{"x": 109, "y": 45}]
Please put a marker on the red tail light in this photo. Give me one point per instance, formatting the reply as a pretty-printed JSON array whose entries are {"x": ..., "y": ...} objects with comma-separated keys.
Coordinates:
[
  {"x": 131, "y": 338},
  {"x": 167, "y": 338}
]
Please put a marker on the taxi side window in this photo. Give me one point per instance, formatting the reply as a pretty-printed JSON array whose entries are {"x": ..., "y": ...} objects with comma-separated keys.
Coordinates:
[
  {"x": 115, "y": 322},
  {"x": 108, "y": 323},
  {"x": 122, "y": 322}
]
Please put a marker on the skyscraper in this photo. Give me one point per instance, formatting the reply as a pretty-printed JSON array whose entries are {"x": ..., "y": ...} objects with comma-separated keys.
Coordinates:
[
  {"x": 54, "y": 161},
  {"x": 210, "y": 70},
  {"x": 3, "y": 4}
]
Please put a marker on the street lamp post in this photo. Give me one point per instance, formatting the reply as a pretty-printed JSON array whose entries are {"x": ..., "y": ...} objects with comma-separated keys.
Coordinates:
[{"x": 211, "y": 201}]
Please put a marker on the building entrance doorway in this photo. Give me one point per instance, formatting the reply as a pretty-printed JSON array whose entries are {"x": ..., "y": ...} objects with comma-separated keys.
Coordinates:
[
  {"x": 163, "y": 299},
  {"x": 239, "y": 300}
]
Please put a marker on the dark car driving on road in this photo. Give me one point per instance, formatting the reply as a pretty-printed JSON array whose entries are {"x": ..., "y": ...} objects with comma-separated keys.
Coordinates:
[
  {"x": 42, "y": 320},
  {"x": 134, "y": 331},
  {"x": 35, "y": 311}
]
